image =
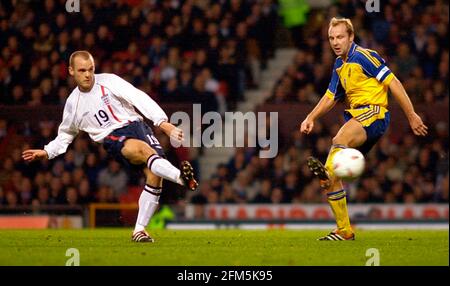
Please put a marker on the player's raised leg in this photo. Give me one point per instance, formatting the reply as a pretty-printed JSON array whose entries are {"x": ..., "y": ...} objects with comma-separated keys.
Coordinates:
[
  {"x": 351, "y": 134},
  {"x": 139, "y": 152}
]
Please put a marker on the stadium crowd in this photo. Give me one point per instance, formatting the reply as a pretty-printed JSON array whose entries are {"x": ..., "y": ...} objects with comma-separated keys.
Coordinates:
[
  {"x": 178, "y": 51},
  {"x": 412, "y": 37},
  {"x": 406, "y": 170},
  {"x": 206, "y": 52}
]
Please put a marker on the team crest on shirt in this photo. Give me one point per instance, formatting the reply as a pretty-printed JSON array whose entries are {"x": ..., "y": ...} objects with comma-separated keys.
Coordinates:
[
  {"x": 105, "y": 96},
  {"x": 106, "y": 99}
]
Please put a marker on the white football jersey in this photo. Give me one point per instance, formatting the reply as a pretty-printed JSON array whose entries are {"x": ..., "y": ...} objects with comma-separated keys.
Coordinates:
[{"x": 109, "y": 105}]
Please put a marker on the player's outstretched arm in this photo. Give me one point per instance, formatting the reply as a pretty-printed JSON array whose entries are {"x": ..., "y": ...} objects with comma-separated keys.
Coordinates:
[
  {"x": 324, "y": 105},
  {"x": 399, "y": 93},
  {"x": 34, "y": 154}
]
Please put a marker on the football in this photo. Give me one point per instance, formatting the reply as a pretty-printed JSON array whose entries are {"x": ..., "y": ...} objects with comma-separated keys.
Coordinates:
[{"x": 348, "y": 164}]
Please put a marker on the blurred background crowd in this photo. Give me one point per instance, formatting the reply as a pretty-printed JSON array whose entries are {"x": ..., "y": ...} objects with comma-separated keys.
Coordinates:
[
  {"x": 211, "y": 52},
  {"x": 172, "y": 50}
]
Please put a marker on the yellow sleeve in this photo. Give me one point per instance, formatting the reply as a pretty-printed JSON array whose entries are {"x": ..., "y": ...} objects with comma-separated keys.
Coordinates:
[
  {"x": 388, "y": 79},
  {"x": 329, "y": 94}
]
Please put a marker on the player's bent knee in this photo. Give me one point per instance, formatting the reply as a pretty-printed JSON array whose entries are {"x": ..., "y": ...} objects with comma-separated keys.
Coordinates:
[
  {"x": 146, "y": 151},
  {"x": 137, "y": 151},
  {"x": 339, "y": 140},
  {"x": 134, "y": 146}
]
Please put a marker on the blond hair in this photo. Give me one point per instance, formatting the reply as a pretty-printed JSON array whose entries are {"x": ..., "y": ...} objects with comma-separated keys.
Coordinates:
[
  {"x": 347, "y": 22},
  {"x": 84, "y": 54}
]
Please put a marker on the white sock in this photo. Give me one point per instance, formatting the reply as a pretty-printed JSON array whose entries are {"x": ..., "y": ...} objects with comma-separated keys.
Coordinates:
[
  {"x": 148, "y": 203},
  {"x": 164, "y": 169}
]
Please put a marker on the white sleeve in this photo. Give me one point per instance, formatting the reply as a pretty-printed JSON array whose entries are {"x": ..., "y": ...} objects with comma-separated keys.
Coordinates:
[
  {"x": 143, "y": 102},
  {"x": 66, "y": 133}
]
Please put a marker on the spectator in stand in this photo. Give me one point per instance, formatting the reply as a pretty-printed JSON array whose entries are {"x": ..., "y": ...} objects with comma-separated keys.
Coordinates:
[{"x": 114, "y": 177}]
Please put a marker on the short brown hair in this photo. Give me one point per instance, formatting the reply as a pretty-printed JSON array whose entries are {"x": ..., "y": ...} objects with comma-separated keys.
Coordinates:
[
  {"x": 348, "y": 24},
  {"x": 84, "y": 54}
]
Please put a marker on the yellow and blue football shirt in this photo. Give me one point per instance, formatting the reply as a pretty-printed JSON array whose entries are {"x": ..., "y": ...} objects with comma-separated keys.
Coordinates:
[{"x": 363, "y": 81}]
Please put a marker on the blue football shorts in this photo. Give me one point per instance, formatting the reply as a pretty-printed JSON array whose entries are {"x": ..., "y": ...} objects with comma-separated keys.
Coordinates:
[
  {"x": 114, "y": 142},
  {"x": 374, "y": 131}
]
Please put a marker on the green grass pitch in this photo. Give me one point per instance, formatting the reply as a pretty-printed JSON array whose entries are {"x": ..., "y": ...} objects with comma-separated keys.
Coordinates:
[{"x": 222, "y": 247}]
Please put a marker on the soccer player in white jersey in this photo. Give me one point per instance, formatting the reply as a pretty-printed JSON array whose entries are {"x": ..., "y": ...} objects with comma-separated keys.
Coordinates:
[{"x": 102, "y": 105}]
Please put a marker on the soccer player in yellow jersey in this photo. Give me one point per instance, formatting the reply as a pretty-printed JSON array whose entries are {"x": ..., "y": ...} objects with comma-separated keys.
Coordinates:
[{"x": 361, "y": 77}]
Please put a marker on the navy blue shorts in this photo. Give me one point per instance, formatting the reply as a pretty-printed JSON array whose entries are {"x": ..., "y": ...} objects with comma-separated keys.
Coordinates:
[
  {"x": 113, "y": 143},
  {"x": 374, "y": 131}
]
